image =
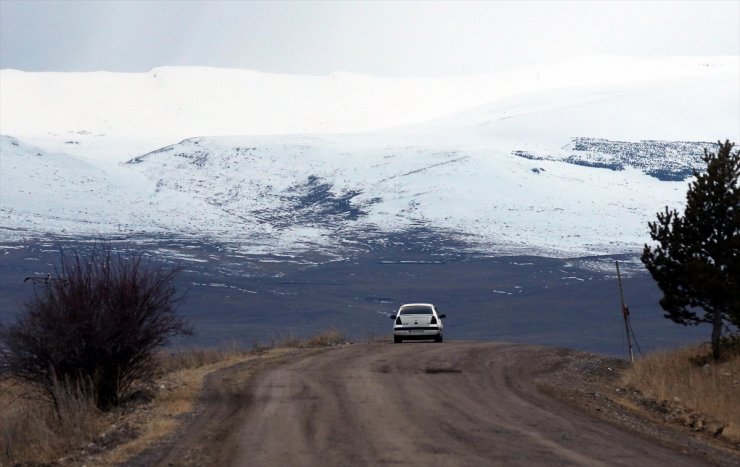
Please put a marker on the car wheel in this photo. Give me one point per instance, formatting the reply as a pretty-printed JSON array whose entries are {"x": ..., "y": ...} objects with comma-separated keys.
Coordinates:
[
  {"x": 438, "y": 338},
  {"x": 397, "y": 340}
]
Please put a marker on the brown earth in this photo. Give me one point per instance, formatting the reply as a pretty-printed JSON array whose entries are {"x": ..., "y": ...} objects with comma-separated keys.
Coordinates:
[{"x": 457, "y": 403}]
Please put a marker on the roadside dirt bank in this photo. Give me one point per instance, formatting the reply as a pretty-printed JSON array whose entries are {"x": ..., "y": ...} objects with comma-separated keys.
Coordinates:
[
  {"x": 593, "y": 384},
  {"x": 457, "y": 403}
]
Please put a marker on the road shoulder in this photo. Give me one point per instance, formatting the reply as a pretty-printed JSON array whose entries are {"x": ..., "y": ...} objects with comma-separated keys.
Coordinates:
[{"x": 592, "y": 384}]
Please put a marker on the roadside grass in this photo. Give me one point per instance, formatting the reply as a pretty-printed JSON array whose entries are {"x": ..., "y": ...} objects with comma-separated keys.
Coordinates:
[
  {"x": 173, "y": 394},
  {"x": 329, "y": 338},
  {"x": 33, "y": 433},
  {"x": 700, "y": 394}
]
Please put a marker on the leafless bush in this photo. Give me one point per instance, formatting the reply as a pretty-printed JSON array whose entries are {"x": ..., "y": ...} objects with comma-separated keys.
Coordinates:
[{"x": 95, "y": 325}]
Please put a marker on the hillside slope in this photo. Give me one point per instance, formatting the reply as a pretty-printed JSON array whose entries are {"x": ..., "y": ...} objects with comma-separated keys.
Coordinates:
[
  {"x": 564, "y": 160},
  {"x": 320, "y": 189},
  {"x": 62, "y": 194}
]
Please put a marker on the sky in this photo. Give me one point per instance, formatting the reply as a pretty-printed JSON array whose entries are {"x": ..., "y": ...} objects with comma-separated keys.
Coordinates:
[{"x": 393, "y": 39}]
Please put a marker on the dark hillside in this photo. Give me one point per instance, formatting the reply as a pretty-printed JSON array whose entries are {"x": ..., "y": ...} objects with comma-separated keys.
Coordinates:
[{"x": 244, "y": 298}]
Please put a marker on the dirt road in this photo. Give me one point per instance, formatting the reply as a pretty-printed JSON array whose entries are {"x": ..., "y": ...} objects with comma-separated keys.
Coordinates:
[{"x": 457, "y": 403}]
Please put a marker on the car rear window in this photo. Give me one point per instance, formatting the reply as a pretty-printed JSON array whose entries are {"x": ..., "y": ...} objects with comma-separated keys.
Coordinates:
[{"x": 416, "y": 310}]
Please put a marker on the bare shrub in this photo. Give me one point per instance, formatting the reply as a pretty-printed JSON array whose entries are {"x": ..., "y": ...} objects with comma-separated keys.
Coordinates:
[
  {"x": 33, "y": 432},
  {"x": 95, "y": 325}
]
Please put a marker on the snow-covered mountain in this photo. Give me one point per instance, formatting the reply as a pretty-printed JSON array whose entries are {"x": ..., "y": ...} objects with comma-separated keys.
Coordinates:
[
  {"x": 56, "y": 193},
  {"x": 336, "y": 188},
  {"x": 570, "y": 159}
]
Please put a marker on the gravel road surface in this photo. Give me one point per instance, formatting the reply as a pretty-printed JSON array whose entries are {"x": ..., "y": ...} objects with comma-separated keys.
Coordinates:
[{"x": 456, "y": 403}]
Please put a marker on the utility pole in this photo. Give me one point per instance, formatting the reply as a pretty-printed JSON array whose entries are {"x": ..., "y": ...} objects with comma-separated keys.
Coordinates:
[{"x": 625, "y": 315}]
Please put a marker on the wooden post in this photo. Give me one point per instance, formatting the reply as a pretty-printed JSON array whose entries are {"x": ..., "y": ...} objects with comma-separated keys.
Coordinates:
[{"x": 625, "y": 315}]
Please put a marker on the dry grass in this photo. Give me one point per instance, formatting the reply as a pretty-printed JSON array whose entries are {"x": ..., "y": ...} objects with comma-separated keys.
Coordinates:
[
  {"x": 329, "y": 338},
  {"x": 680, "y": 377},
  {"x": 32, "y": 433},
  {"x": 176, "y": 393},
  {"x": 183, "y": 359}
]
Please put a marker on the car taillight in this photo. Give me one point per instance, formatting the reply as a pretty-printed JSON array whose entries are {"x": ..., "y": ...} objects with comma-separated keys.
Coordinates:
[
  {"x": 398, "y": 320},
  {"x": 434, "y": 320}
]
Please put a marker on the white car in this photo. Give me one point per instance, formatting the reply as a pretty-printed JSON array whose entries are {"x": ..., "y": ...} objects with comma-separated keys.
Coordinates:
[{"x": 417, "y": 321}]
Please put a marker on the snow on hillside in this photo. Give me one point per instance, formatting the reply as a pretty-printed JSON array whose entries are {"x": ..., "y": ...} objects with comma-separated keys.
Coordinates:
[
  {"x": 695, "y": 108},
  {"x": 120, "y": 115},
  {"x": 565, "y": 160},
  {"x": 298, "y": 193},
  {"x": 58, "y": 194},
  {"x": 342, "y": 187}
]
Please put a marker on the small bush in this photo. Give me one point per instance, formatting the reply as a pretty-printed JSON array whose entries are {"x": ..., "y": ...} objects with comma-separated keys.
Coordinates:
[
  {"x": 729, "y": 350},
  {"x": 95, "y": 325},
  {"x": 329, "y": 338},
  {"x": 731, "y": 345},
  {"x": 33, "y": 432},
  {"x": 291, "y": 342}
]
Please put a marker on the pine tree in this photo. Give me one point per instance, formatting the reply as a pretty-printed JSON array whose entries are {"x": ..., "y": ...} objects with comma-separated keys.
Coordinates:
[{"x": 697, "y": 260}]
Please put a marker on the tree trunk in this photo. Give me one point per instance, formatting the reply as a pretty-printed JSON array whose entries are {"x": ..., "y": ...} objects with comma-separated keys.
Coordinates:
[{"x": 716, "y": 333}]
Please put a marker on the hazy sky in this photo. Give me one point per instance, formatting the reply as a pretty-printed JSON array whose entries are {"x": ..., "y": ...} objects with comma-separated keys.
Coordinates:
[{"x": 380, "y": 38}]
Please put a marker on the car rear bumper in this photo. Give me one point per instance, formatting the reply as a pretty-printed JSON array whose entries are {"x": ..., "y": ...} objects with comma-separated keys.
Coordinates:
[{"x": 426, "y": 332}]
